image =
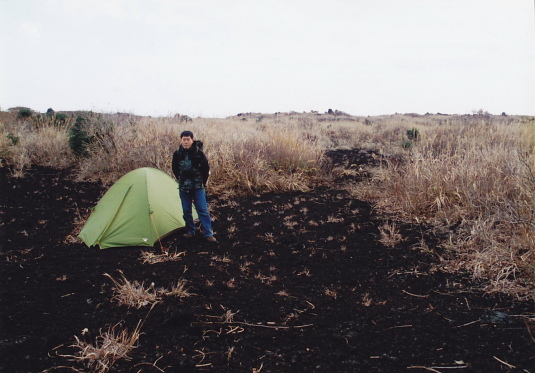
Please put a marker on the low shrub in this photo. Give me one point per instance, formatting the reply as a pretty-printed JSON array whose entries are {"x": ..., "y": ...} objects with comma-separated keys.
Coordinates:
[
  {"x": 24, "y": 113},
  {"x": 79, "y": 139}
]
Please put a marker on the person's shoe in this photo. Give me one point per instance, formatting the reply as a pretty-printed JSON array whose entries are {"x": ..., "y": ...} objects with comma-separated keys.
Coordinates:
[
  {"x": 189, "y": 235},
  {"x": 210, "y": 239}
]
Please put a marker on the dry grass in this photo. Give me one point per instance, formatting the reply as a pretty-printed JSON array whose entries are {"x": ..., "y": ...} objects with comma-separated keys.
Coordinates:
[
  {"x": 272, "y": 152},
  {"x": 255, "y": 153},
  {"x": 366, "y": 300},
  {"x": 331, "y": 292},
  {"x": 152, "y": 258},
  {"x": 472, "y": 172},
  {"x": 268, "y": 280},
  {"x": 108, "y": 347},
  {"x": 134, "y": 294},
  {"x": 43, "y": 145},
  {"x": 179, "y": 290},
  {"x": 476, "y": 175},
  {"x": 390, "y": 235}
]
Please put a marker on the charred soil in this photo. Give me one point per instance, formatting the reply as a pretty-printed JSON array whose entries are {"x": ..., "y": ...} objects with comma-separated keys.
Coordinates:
[{"x": 298, "y": 282}]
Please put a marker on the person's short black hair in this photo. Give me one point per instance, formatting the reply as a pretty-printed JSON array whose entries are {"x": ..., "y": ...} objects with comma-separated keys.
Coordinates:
[{"x": 186, "y": 134}]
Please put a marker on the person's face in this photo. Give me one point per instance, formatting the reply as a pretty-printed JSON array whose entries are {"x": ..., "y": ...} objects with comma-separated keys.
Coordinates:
[{"x": 186, "y": 142}]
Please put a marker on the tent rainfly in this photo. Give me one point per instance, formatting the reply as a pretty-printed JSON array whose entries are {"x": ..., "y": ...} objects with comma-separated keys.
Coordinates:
[{"x": 140, "y": 208}]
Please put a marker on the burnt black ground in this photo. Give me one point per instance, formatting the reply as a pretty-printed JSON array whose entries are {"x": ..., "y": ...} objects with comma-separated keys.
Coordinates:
[{"x": 298, "y": 282}]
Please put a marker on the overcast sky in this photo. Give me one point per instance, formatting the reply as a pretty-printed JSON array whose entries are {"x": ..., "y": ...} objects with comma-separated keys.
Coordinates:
[{"x": 215, "y": 58}]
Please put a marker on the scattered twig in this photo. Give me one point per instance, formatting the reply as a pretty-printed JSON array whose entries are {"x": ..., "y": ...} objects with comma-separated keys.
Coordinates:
[
  {"x": 152, "y": 364},
  {"x": 529, "y": 330},
  {"x": 399, "y": 326},
  {"x": 467, "y": 304},
  {"x": 426, "y": 368},
  {"x": 415, "y": 295},
  {"x": 235, "y": 330},
  {"x": 504, "y": 363},
  {"x": 60, "y": 367},
  {"x": 459, "y": 367},
  {"x": 202, "y": 355},
  {"x": 468, "y": 323},
  {"x": 273, "y": 326},
  {"x": 259, "y": 325},
  {"x": 434, "y": 369}
]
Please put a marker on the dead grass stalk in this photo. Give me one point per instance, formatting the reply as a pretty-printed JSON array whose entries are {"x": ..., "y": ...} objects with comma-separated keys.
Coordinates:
[
  {"x": 110, "y": 346},
  {"x": 134, "y": 294}
]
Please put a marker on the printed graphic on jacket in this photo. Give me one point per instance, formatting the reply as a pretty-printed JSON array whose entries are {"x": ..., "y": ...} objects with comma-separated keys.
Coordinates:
[
  {"x": 191, "y": 167},
  {"x": 190, "y": 175}
]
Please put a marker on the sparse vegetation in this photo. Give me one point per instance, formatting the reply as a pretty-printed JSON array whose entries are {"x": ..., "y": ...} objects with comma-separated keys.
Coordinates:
[
  {"x": 469, "y": 180},
  {"x": 474, "y": 172},
  {"x": 152, "y": 258},
  {"x": 134, "y": 294},
  {"x": 390, "y": 235},
  {"x": 109, "y": 346},
  {"x": 472, "y": 177},
  {"x": 179, "y": 290}
]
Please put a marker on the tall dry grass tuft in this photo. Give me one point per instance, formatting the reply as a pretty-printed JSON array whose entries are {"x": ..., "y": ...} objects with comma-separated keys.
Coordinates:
[
  {"x": 179, "y": 290},
  {"x": 476, "y": 178},
  {"x": 390, "y": 235},
  {"x": 109, "y": 346},
  {"x": 253, "y": 153},
  {"x": 26, "y": 144},
  {"x": 124, "y": 143},
  {"x": 271, "y": 159},
  {"x": 134, "y": 294},
  {"x": 243, "y": 155}
]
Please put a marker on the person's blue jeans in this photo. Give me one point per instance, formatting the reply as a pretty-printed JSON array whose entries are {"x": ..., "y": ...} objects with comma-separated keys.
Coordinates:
[{"x": 196, "y": 197}]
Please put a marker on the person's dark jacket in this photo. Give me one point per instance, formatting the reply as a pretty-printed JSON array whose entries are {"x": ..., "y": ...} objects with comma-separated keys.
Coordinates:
[{"x": 191, "y": 167}]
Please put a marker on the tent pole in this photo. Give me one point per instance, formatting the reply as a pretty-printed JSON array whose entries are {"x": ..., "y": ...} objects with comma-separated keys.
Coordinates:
[{"x": 164, "y": 250}]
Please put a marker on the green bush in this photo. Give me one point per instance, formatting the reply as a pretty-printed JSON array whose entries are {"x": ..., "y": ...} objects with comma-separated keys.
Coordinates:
[
  {"x": 24, "y": 113},
  {"x": 413, "y": 134},
  {"x": 60, "y": 118},
  {"x": 14, "y": 139},
  {"x": 79, "y": 139}
]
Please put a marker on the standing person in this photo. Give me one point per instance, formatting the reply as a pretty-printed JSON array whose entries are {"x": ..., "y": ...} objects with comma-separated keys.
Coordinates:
[{"x": 191, "y": 169}]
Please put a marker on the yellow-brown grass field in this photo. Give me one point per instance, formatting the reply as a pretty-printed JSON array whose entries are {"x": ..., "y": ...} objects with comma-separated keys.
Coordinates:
[{"x": 472, "y": 175}]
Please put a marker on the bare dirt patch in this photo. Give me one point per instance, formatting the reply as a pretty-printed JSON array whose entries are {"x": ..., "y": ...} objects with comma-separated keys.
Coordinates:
[{"x": 299, "y": 282}]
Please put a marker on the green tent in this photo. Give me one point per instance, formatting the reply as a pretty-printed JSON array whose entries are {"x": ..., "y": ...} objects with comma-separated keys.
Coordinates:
[{"x": 140, "y": 208}]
